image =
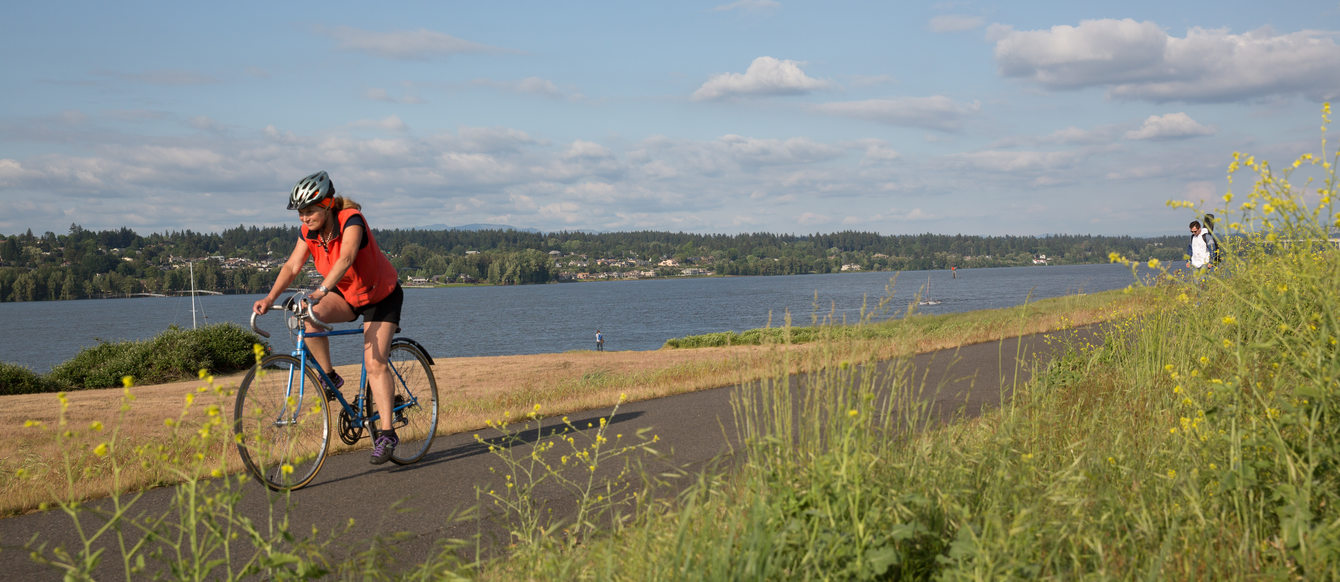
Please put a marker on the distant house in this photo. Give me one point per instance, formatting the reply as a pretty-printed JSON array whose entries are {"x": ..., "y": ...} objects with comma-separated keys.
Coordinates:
[
  {"x": 851, "y": 267},
  {"x": 1040, "y": 260}
]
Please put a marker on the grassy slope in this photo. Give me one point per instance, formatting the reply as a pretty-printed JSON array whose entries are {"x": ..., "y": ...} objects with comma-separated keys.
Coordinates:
[{"x": 1201, "y": 441}]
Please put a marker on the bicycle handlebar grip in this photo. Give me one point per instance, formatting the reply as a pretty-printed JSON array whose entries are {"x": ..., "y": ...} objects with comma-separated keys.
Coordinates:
[
  {"x": 311, "y": 316},
  {"x": 258, "y": 330}
]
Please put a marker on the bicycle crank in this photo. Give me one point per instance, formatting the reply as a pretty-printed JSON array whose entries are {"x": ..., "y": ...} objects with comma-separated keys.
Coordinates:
[{"x": 349, "y": 432}]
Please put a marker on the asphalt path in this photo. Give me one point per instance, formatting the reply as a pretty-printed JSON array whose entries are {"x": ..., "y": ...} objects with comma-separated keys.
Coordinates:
[{"x": 421, "y": 504}]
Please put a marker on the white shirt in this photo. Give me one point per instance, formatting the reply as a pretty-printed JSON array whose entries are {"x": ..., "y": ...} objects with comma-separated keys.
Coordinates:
[{"x": 1200, "y": 252}]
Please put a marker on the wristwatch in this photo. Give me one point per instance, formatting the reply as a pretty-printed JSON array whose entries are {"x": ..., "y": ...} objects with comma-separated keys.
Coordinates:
[{"x": 323, "y": 289}]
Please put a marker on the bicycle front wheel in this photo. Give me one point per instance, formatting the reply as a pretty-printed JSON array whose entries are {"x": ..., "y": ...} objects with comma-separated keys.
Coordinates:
[
  {"x": 280, "y": 423},
  {"x": 415, "y": 413}
]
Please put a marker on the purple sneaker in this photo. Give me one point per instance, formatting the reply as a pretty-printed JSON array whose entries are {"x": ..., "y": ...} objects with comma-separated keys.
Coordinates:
[
  {"x": 336, "y": 382},
  {"x": 382, "y": 447}
]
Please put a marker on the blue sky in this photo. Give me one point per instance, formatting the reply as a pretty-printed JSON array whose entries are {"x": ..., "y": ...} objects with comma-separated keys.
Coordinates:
[{"x": 1016, "y": 118}]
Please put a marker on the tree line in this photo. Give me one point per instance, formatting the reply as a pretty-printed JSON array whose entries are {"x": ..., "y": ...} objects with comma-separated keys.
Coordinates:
[{"x": 87, "y": 264}]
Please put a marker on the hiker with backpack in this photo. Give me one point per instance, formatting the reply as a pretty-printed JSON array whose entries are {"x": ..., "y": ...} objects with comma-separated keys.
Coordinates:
[{"x": 1202, "y": 249}]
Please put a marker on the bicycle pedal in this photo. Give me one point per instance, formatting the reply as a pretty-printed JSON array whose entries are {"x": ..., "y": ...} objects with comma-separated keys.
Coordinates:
[{"x": 331, "y": 394}]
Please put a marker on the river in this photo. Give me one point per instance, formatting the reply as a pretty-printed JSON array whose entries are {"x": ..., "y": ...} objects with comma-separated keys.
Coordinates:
[{"x": 532, "y": 319}]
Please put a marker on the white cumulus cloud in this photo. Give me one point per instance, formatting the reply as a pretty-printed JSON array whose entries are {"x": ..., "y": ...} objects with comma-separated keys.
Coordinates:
[
  {"x": 1170, "y": 126},
  {"x": 1139, "y": 60},
  {"x": 586, "y": 149},
  {"x": 765, "y": 76}
]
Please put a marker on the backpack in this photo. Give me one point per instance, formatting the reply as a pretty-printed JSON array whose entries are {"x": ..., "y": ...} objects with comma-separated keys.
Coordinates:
[{"x": 1213, "y": 246}]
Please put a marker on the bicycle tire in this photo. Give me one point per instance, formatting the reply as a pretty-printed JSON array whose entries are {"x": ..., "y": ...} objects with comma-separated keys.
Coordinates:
[
  {"x": 282, "y": 438},
  {"x": 415, "y": 424}
]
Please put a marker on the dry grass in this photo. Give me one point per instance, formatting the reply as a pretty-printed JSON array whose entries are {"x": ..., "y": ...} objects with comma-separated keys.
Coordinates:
[{"x": 473, "y": 390}]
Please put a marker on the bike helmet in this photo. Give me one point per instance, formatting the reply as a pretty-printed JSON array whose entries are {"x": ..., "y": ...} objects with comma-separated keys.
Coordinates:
[{"x": 310, "y": 190}]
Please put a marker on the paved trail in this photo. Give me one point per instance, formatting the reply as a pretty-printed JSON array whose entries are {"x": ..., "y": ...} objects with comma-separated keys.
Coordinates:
[{"x": 418, "y": 499}]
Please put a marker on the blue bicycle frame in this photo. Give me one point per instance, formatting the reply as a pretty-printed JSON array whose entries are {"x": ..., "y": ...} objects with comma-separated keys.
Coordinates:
[{"x": 304, "y": 355}]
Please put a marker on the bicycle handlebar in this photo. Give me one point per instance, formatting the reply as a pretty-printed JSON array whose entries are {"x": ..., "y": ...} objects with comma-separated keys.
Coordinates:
[
  {"x": 258, "y": 330},
  {"x": 299, "y": 308}
]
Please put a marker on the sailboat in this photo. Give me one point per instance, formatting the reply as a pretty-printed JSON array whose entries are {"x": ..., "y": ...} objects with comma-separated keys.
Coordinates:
[
  {"x": 194, "y": 292},
  {"x": 192, "y": 266},
  {"x": 926, "y": 299}
]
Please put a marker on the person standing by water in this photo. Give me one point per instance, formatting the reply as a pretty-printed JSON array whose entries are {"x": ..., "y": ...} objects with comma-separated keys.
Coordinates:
[
  {"x": 600, "y": 341},
  {"x": 1201, "y": 248},
  {"x": 357, "y": 281}
]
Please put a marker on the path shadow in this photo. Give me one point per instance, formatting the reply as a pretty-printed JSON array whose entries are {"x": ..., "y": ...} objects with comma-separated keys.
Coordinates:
[{"x": 549, "y": 428}]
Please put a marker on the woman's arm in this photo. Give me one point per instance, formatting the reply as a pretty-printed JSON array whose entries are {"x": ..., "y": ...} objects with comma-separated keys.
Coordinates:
[{"x": 287, "y": 273}]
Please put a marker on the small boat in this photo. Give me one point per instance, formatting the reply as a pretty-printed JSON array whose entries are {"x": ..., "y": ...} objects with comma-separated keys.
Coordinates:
[{"x": 926, "y": 299}]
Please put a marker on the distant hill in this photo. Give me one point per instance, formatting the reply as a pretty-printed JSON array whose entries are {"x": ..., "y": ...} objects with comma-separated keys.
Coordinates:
[{"x": 474, "y": 227}]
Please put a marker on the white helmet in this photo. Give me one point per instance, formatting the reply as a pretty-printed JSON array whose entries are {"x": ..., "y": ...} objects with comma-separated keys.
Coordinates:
[{"x": 310, "y": 190}]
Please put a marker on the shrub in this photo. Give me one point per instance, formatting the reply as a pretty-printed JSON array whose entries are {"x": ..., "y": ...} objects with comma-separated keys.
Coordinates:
[
  {"x": 16, "y": 379},
  {"x": 174, "y": 355}
]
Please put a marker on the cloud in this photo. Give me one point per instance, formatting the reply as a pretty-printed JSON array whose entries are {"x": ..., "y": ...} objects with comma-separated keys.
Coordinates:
[
  {"x": 765, "y": 76},
  {"x": 768, "y": 152},
  {"x": 878, "y": 152},
  {"x": 1170, "y": 126},
  {"x": 404, "y": 45},
  {"x": 12, "y": 172},
  {"x": 1139, "y": 60},
  {"x": 203, "y": 123},
  {"x": 748, "y": 5},
  {"x": 505, "y": 175},
  {"x": 811, "y": 218},
  {"x": 955, "y": 23},
  {"x": 586, "y": 149},
  {"x": 936, "y": 112},
  {"x": 492, "y": 140}
]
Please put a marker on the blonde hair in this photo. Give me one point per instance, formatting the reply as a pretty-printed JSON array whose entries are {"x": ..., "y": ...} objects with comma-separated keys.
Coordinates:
[{"x": 342, "y": 203}]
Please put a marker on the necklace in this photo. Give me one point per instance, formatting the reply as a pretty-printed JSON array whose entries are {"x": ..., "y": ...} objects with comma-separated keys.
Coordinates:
[{"x": 325, "y": 239}]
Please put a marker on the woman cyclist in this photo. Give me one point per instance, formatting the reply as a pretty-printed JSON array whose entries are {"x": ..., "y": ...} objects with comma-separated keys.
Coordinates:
[{"x": 357, "y": 280}]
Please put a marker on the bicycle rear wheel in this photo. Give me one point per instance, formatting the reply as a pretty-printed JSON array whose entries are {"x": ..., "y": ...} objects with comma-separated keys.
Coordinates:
[
  {"x": 415, "y": 417},
  {"x": 281, "y": 424}
]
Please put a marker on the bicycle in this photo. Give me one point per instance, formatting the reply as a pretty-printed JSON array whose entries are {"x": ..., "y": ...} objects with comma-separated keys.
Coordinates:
[{"x": 281, "y": 422}]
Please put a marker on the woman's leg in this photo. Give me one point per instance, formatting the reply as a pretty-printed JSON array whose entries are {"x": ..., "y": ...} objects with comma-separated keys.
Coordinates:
[{"x": 376, "y": 349}]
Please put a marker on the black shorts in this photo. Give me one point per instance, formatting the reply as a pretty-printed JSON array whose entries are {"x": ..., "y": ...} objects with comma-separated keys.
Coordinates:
[{"x": 387, "y": 309}]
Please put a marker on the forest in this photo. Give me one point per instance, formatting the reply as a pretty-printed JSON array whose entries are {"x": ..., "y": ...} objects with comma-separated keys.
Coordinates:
[{"x": 83, "y": 263}]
